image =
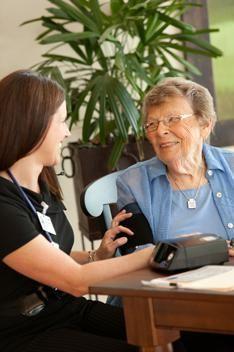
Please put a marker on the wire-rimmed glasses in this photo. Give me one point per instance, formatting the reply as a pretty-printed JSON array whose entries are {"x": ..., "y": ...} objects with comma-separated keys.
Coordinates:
[{"x": 168, "y": 121}]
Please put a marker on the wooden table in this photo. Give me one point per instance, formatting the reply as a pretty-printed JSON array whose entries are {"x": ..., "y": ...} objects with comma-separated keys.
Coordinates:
[{"x": 154, "y": 317}]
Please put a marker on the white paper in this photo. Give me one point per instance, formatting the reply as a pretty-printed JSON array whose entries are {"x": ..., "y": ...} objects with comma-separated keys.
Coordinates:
[{"x": 209, "y": 277}]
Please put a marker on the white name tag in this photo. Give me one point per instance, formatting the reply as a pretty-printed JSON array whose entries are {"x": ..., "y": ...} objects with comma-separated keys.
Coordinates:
[{"x": 46, "y": 223}]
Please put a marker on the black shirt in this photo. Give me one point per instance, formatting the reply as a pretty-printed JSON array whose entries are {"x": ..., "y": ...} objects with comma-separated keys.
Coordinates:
[{"x": 19, "y": 225}]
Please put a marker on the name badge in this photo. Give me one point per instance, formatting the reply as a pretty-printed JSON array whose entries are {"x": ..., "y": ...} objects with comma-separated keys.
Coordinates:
[{"x": 46, "y": 223}]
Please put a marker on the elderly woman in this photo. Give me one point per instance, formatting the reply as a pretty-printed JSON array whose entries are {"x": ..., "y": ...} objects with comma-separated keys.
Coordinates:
[
  {"x": 188, "y": 186},
  {"x": 188, "y": 182}
]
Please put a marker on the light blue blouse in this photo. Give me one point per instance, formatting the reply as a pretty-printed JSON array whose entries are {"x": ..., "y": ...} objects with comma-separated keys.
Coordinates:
[
  {"x": 204, "y": 219},
  {"x": 146, "y": 183}
]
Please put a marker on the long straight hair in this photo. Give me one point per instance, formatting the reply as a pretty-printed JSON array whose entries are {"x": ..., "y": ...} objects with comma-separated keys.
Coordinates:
[{"x": 28, "y": 101}]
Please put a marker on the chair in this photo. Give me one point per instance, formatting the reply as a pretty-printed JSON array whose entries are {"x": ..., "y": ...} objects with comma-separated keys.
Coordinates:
[
  {"x": 99, "y": 195},
  {"x": 96, "y": 200}
]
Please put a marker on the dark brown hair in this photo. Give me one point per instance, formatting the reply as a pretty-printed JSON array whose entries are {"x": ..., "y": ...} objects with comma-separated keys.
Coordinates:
[{"x": 28, "y": 101}]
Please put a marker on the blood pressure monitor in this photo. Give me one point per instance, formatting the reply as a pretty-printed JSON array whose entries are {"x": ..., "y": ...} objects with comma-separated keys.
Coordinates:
[{"x": 188, "y": 252}]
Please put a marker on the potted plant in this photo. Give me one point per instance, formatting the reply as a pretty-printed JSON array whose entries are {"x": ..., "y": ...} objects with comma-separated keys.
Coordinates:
[{"x": 115, "y": 52}]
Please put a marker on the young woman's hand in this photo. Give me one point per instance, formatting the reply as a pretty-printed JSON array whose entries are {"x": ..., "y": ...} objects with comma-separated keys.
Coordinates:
[{"x": 109, "y": 242}]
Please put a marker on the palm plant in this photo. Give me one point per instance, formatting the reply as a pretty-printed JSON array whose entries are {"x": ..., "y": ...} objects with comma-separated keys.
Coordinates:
[{"x": 118, "y": 50}]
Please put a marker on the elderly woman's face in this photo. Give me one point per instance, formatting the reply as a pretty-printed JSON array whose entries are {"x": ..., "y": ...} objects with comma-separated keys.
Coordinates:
[{"x": 179, "y": 134}]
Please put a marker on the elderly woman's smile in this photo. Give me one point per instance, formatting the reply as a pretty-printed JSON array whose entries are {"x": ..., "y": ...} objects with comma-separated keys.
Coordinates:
[{"x": 167, "y": 144}]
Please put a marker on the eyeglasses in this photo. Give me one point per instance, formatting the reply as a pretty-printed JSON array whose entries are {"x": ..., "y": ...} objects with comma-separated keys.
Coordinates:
[{"x": 168, "y": 121}]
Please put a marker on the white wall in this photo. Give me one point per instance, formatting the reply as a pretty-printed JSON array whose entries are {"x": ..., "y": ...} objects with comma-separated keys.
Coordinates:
[
  {"x": 18, "y": 50},
  {"x": 17, "y": 46}
]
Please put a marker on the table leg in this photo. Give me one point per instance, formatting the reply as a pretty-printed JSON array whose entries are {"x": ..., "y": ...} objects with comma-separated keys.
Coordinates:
[
  {"x": 141, "y": 330},
  {"x": 167, "y": 348},
  {"x": 149, "y": 349}
]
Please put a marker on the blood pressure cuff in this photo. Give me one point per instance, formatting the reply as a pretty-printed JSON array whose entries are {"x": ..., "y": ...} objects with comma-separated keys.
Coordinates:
[{"x": 139, "y": 225}]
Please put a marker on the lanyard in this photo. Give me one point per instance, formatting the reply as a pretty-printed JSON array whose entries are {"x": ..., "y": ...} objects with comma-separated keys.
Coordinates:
[{"x": 28, "y": 202}]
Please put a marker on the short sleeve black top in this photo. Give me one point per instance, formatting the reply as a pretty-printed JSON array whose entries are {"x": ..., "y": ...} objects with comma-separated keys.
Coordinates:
[{"x": 19, "y": 225}]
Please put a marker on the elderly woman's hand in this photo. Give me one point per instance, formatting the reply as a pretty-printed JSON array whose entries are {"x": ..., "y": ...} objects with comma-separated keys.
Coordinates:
[{"x": 109, "y": 242}]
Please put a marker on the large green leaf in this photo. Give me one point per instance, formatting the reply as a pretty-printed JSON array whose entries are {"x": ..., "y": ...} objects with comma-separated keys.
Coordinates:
[
  {"x": 166, "y": 62},
  {"x": 184, "y": 62},
  {"x": 115, "y": 109},
  {"x": 152, "y": 26},
  {"x": 200, "y": 43},
  {"x": 102, "y": 117},
  {"x": 57, "y": 75},
  {"x": 31, "y": 21},
  {"x": 116, "y": 6},
  {"x": 116, "y": 153},
  {"x": 80, "y": 3},
  {"x": 87, "y": 131},
  {"x": 43, "y": 34},
  {"x": 50, "y": 23},
  {"x": 97, "y": 14},
  {"x": 58, "y": 13},
  {"x": 134, "y": 65},
  {"x": 127, "y": 104},
  {"x": 80, "y": 100},
  {"x": 176, "y": 23},
  {"x": 70, "y": 10},
  {"x": 107, "y": 34},
  {"x": 76, "y": 14},
  {"x": 68, "y": 37},
  {"x": 185, "y": 49},
  {"x": 64, "y": 58}
]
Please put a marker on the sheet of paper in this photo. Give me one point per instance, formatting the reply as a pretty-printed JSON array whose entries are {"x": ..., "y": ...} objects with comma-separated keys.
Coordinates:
[{"x": 210, "y": 277}]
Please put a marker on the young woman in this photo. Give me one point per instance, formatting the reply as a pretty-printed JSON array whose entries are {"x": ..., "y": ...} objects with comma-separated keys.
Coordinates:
[{"x": 42, "y": 281}]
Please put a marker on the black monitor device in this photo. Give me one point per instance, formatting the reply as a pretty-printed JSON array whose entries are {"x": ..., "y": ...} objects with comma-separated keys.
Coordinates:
[
  {"x": 189, "y": 252},
  {"x": 139, "y": 225}
]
